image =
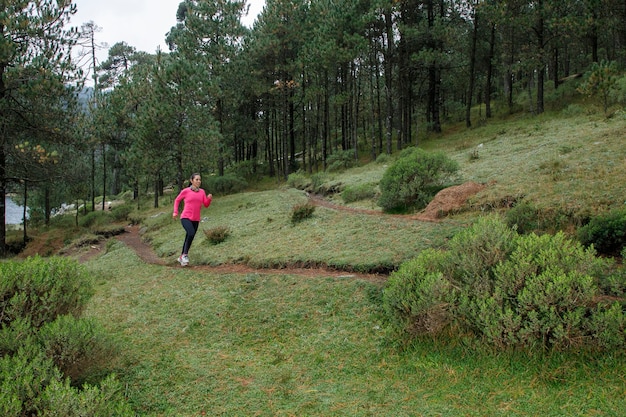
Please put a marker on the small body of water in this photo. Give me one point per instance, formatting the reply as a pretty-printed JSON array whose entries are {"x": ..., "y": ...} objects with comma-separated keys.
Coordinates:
[{"x": 14, "y": 212}]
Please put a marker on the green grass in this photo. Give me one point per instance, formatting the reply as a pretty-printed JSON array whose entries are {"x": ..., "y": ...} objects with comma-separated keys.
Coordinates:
[
  {"x": 262, "y": 235},
  {"x": 197, "y": 343}
]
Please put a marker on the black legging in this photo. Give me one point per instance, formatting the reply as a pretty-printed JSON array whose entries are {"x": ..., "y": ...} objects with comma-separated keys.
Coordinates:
[{"x": 191, "y": 228}]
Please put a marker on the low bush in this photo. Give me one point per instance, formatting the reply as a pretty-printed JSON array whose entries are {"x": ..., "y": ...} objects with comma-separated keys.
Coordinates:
[
  {"x": 77, "y": 346},
  {"x": 384, "y": 158},
  {"x": 23, "y": 381},
  {"x": 45, "y": 348},
  {"x": 318, "y": 180},
  {"x": 95, "y": 219},
  {"x": 509, "y": 290},
  {"x": 217, "y": 234},
  {"x": 41, "y": 289},
  {"x": 523, "y": 216},
  {"x": 359, "y": 192},
  {"x": 121, "y": 212},
  {"x": 301, "y": 212},
  {"x": 30, "y": 385},
  {"x": 415, "y": 177},
  {"x": 607, "y": 233},
  {"x": 250, "y": 170},
  {"x": 224, "y": 185},
  {"x": 299, "y": 181},
  {"x": 340, "y": 160}
]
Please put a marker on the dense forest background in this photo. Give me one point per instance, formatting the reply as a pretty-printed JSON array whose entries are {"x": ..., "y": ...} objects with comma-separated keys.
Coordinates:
[{"x": 312, "y": 84}]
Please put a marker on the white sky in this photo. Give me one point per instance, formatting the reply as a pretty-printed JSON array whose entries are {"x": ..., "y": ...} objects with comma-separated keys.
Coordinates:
[{"x": 140, "y": 23}]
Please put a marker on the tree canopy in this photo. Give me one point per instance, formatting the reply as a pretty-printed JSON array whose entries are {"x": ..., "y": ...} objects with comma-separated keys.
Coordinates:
[{"x": 310, "y": 79}]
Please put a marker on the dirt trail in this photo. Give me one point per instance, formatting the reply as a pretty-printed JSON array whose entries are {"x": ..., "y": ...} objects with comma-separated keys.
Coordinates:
[{"x": 132, "y": 239}]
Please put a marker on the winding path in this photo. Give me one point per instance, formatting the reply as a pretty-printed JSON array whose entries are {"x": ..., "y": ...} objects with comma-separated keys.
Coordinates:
[{"x": 132, "y": 239}]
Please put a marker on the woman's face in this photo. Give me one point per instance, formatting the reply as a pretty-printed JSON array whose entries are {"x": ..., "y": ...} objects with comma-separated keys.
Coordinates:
[{"x": 196, "y": 181}]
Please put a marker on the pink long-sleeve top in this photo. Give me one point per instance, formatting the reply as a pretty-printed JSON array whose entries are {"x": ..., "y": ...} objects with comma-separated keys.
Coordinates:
[{"x": 194, "y": 200}]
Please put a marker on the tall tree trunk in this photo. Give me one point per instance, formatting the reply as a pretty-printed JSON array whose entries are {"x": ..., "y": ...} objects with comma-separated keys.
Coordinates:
[
  {"x": 541, "y": 54},
  {"x": 93, "y": 179},
  {"x": 24, "y": 214},
  {"x": 104, "y": 175},
  {"x": 3, "y": 176},
  {"x": 389, "y": 58},
  {"x": 47, "y": 206},
  {"x": 488, "y": 88},
  {"x": 434, "y": 75},
  {"x": 156, "y": 192},
  {"x": 472, "y": 75},
  {"x": 326, "y": 123}
]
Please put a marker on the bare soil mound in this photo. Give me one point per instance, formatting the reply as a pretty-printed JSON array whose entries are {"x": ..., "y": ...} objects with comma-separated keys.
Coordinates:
[{"x": 449, "y": 200}]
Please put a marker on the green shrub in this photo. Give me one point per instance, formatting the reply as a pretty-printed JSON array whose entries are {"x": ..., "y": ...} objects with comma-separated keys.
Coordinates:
[
  {"x": 414, "y": 179},
  {"x": 76, "y": 346},
  {"x": 16, "y": 334},
  {"x": 542, "y": 294},
  {"x": 359, "y": 192},
  {"x": 250, "y": 170},
  {"x": 30, "y": 385},
  {"x": 508, "y": 289},
  {"x": 23, "y": 380},
  {"x": 318, "y": 180},
  {"x": 217, "y": 234},
  {"x": 103, "y": 400},
  {"x": 41, "y": 289},
  {"x": 523, "y": 217},
  {"x": 607, "y": 232},
  {"x": 414, "y": 297},
  {"x": 94, "y": 219},
  {"x": 121, "y": 212},
  {"x": 299, "y": 181},
  {"x": 224, "y": 185},
  {"x": 384, "y": 158},
  {"x": 44, "y": 348},
  {"x": 340, "y": 160},
  {"x": 301, "y": 212}
]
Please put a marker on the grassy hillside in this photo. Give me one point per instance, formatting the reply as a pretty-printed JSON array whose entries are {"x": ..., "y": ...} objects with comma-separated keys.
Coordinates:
[
  {"x": 569, "y": 167},
  {"x": 193, "y": 342}
]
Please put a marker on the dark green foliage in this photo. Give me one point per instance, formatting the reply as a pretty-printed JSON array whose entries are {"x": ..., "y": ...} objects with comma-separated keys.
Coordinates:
[
  {"x": 523, "y": 217},
  {"x": 121, "y": 212},
  {"x": 104, "y": 400},
  {"x": 76, "y": 346},
  {"x": 340, "y": 160},
  {"x": 301, "y": 212},
  {"x": 94, "y": 219},
  {"x": 224, "y": 185},
  {"x": 607, "y": 233},
  {"x": 383, "y": 158},
  {"x": 23, "y": 381},
  {"x": 414, "y": 179},
  {"x": 45, "y": 347},
  {"x": 217, "y": 235},
  {"x": 299, "y": 181},
  {"x": 358, "y": 192},
  {"x": 41, "y": 289},
  {"x": 249, "y": 170},
  {"x": 508, "y": 289},
  {"x": 30, "y": 385},
  {"x": 318, "y": 180}
]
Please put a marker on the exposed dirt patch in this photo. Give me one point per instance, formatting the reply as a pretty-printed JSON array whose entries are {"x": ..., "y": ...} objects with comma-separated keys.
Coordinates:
[
  {"x": 446, "y": 201},
  {"x": 449, "y": 200}
]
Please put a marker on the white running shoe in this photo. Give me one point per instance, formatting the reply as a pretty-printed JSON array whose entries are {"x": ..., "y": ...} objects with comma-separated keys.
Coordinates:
[{"x": 183, "y": 260}]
